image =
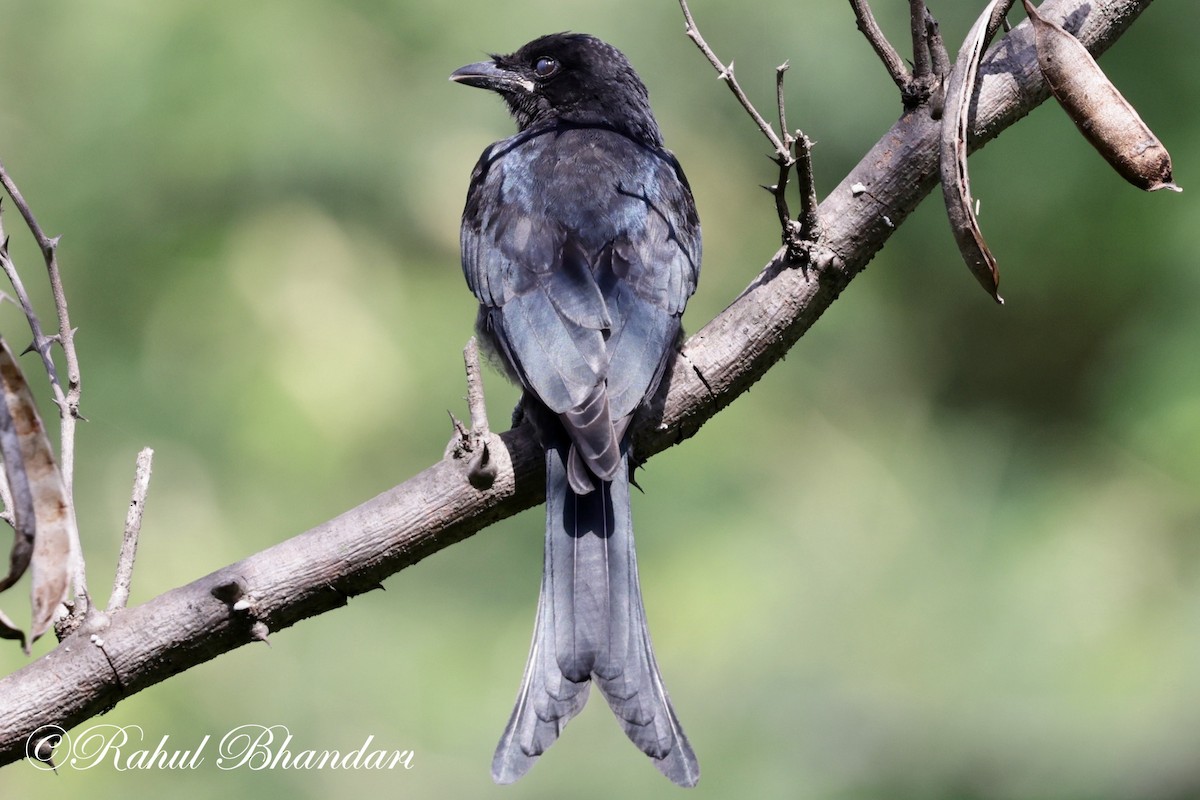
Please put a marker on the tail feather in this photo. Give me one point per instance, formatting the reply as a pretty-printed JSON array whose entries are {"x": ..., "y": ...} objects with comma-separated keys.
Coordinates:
[
  {"x": 597, "y": 450},
  {"x": 545, "y": 704},
  {"x": 637, "y": 695},
  {"x": 591, "y": 625}
]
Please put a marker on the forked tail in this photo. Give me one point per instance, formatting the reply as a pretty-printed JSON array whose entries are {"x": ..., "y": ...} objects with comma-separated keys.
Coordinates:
[{"x": 591, "y": 626}]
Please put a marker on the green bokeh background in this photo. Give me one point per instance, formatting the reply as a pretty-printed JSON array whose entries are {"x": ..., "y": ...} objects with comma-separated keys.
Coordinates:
[{"x": 944, "y": 550}]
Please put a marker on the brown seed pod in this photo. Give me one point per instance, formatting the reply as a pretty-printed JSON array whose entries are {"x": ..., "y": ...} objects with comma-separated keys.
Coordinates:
[
  {"x": 1101, "y": 113},
  {"x": 40, "y": 479},
  {"x": 952, "y": 155}
]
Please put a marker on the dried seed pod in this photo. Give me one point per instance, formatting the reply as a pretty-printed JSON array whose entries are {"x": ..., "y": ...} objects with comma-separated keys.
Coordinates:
[
  {"x": 952, "y": 155},
  {"x": 1101, "y": 113},
  {"x": 54, "y": 519}
]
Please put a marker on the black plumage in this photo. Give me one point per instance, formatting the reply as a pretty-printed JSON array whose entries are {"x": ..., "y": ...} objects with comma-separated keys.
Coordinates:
[{"x": 580, "y": 240}]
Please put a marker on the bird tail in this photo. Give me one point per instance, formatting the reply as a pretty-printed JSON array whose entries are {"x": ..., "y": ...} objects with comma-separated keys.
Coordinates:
[{"x": 591, "y": 626}]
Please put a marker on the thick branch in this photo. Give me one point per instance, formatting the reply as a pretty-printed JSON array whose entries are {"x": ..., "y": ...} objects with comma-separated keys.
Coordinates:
[{"x": 320, "y": 569}]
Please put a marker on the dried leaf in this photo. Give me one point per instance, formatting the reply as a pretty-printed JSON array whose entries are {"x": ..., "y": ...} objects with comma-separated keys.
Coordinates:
[
  {"x": 54, "y": 521},
  {"x": 1102, "y": 114},
  {"x": 952, "y": 163}
]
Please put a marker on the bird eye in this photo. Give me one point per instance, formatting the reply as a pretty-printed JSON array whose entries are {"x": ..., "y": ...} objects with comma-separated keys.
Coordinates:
[{"x": 544, "y": 67}]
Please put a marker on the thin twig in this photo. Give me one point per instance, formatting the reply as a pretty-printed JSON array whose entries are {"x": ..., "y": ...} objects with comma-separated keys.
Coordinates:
[
  {"x": 785, "y": 164},
  {"x": 794, "y": 234},
  {"x": 133, "y": 528},
  {"x": 890, "y": 57},
  {"x": 779, "y": 99},
  {"x": 725, "y": 73},
  {"x": 22, "y": 299},
  {"x": 41, "y": 342},
  {"x": 68, "y": 401},
  {"x": 66, "y": 334}
]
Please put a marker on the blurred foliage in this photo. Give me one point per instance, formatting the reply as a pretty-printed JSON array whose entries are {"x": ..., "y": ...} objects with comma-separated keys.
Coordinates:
[{"x": 944, "y": 550}]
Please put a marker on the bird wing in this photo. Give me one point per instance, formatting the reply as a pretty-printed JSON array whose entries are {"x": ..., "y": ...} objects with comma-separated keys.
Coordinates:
[
  {"x": 582, "y": 247},
  {"x": 650, "y": 271},
  {"x": 532, "y": 280}
]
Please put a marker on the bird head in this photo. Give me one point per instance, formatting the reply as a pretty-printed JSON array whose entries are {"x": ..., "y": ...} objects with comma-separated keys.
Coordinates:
[{"x": 568, "y": 78}]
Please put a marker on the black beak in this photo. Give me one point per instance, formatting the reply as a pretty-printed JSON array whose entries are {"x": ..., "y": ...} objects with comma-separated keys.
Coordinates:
[{"x": 489, "y": 75}]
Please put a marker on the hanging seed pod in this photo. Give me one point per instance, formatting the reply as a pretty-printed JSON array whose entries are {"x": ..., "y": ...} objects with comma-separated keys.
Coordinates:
[
  {"x": 952, "y": 153},
  {"x": 53, "y": 520},
  {"x": 1102, "y": 114}
]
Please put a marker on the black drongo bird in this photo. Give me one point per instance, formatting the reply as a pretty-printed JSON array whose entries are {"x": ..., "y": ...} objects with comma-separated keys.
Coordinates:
[{"x": 581, "y": 241}]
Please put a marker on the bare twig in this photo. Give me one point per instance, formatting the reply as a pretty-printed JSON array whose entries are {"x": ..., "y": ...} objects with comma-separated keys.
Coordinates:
[
  {"x": 779, "y": 190},
  {"x": 41, "y": 342},
  {"x": 916, "y": 87},
  {"x": 780, "y": 103},
  {"x": 133, "y": 528},
  {"x": 890, "y": 57},
  {"x": 725, "y": 73},
  {"x": 68, "y": 400},
  {"x": 69, "y": 405},
  {"x": 795, "y": 235}
]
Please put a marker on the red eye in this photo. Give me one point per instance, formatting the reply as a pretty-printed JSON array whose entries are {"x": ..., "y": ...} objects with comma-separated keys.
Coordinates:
[{"x": 544, "y": 67}]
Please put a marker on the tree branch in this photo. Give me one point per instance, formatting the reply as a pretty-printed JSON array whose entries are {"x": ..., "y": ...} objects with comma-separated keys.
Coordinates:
[
  {"x": 883, "y": 48},
  {"x": 321, "y": 569},
  {"x": 725, "y": 73},
  {"x": 133, "y": 528},
  {"x": 797, "y": 238},
  {"x": 922, "y": 57}
]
